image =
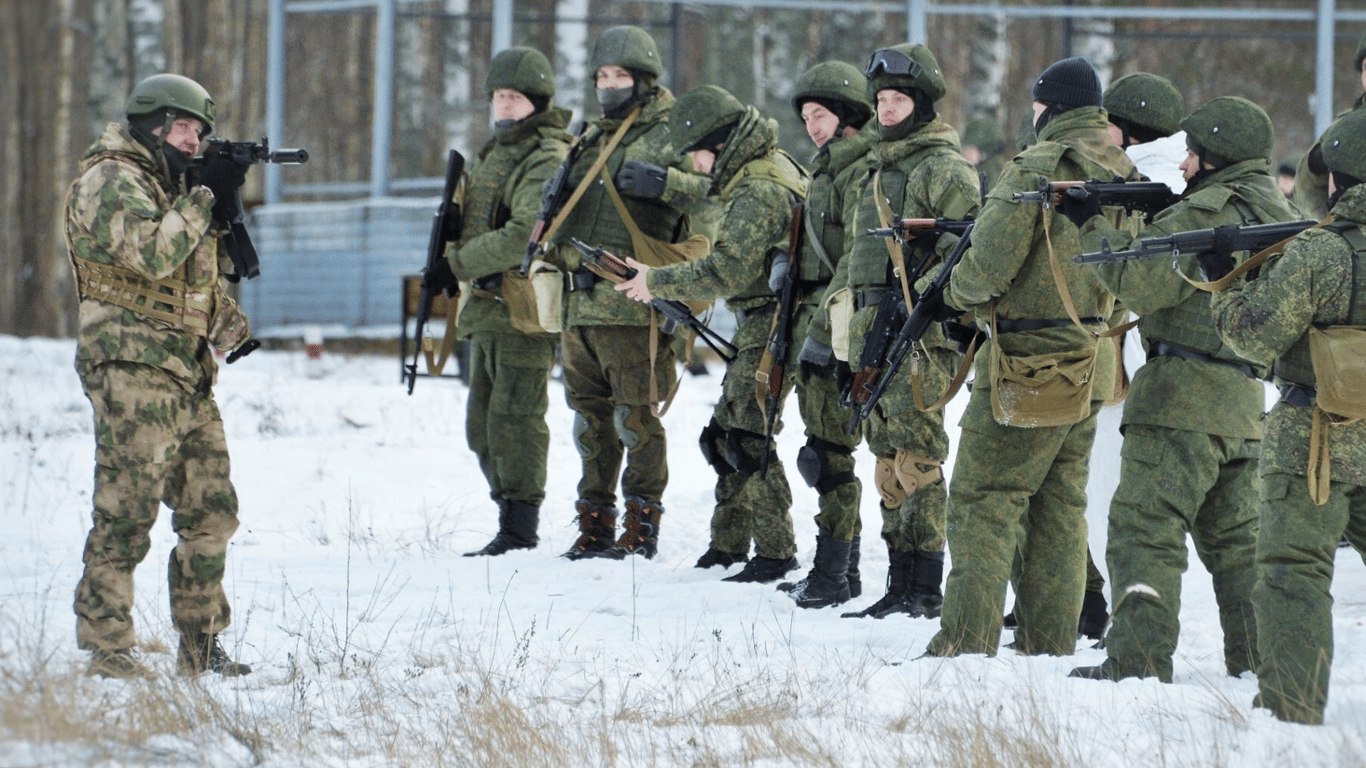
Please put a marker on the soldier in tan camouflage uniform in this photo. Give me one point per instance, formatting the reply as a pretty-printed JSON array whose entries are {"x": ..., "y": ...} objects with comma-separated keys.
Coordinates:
[
  {"x": 1307, "y": 504},
  {"x": 1014, "y": 467},
  {"x": 756, "y": 185},
  {"x": 505, "y": 418},
  {"x": 612, "y": 379},
  {"x": 149, "y": 270}
]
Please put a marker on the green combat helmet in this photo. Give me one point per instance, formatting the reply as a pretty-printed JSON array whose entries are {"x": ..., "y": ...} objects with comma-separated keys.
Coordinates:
[
  {"x": 1229, "y": 129},
  {"x": 909, "y": 65},
  {"x": 626, "y": 47},
  {"x": 172, "y": 92},
  {"x": 525, "y": 70},
  {"x": 1145, "y": 101},
  {"x": 985, "y": 134},
  {"x": 1344, "y": 145},
  {"x": 700, "y": 119},
  {"x": 836, "y": 81}
]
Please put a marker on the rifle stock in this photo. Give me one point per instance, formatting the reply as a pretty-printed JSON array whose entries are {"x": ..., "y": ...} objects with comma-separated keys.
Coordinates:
[
  {"x": 780, "y": 342},
  {"x": 436, "y": 273}
]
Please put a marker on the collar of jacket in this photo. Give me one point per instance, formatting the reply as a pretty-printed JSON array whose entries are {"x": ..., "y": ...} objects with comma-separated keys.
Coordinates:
[
  {"x": 754, "y": 137},
  {"x": 935, "y": 133}
]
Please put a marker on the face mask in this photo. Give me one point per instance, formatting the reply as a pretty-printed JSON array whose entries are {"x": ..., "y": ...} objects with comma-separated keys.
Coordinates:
[
  {"x": 176, "y": 160},
  {"x": 611, "y": 98},
  {"x": 503, "y": 125},
  {"x": 899, "y": 131}
]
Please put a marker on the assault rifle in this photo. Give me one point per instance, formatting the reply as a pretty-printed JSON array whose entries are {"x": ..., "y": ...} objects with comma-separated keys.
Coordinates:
[
  {"x": 1148, "y": 197},
  {"x": 904, "y": 230},
  {"x": 238, "y": 242},
  {"x": 553, "y": 197},
  {"x": 612, "y": 269},
  {"x": 871, "y": 381},
  {"x": 437, "y": 277},
  {"x": 1229, "y": 238},
  {"x": 781, "y": 341}
]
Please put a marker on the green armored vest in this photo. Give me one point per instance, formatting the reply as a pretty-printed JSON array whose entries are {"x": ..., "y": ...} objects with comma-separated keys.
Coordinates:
[
  {"x": 868, "y": 261},
  {"x": 1294, "y": 366},
  {"x": 1190, "y": 324},
  {"x": 823, "y": 238}
]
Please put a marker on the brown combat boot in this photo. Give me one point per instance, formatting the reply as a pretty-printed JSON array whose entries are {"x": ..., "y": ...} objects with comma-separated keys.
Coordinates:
[
  {"x": 203, "y": 653},
  {"x": 640, "y": 534},
  {"x": 121, "y": 663},
  {"x": 597, "y": 529}
]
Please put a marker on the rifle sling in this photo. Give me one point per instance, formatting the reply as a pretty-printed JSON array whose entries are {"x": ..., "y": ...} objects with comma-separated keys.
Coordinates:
[
  {"x": 593, "y": 170},
  {"x": 1061, "y": 282},
  {"x": 898, "y": 257},
  {"x": 957, "y": 383},
  {"x": 1257, "y": 260},
  {"x": 817, "y": 245},
  {"x": 764, "y": 386},
  {"x": 437, "y": 363}
]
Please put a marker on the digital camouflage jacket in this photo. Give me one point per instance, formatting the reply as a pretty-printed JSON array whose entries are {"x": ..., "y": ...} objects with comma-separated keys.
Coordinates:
[{"x": 502, "y": 201}]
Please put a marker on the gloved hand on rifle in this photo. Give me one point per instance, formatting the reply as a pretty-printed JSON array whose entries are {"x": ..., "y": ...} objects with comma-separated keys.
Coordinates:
[
  {"x": 777, "y": 272},
  {"x": 932, "y": 304},
  {"x": 815, "y": 357},
  {"x": 1218, "y": 261},
  {"x": 224, "y": 176},
  {"x": 642, "y": 179},
  {"x": 1078, "y": 206}
]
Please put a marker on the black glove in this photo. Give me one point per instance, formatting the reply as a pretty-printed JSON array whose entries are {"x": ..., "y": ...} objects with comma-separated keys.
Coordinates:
[
  {"x": 777, "y": 273},
  {"x": 223, "y": 176},
  {"x": 442, "y": 279},
  {"x": 642, "y": 179},
  {"x": 959, "y": 335},
  {"x": 933, "y": 305},
  {"x": 1078, "y": 206},
  {"x": 1218, "y": 261}
]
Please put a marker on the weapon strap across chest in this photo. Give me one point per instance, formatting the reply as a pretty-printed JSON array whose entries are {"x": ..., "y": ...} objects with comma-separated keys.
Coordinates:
[{"x": 598, "y": 165}]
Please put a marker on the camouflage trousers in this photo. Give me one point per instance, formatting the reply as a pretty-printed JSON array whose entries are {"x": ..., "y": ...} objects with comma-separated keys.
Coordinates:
[
  {"x": 505, "y": 419},
  {"x": 1296, "y": 547},
  {"x": 607, "y": 383},
  {"x": 1006, "y": 479},
  {"x": 749, "y": 506},
  {"x": 1174, "y": 482},
  {"x": 156, "y": 441}
]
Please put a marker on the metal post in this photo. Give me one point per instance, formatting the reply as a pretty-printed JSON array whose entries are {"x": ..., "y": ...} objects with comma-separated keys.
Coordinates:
[
  {"x": 275, "y": 92},
  {"x": 1323, "y": 76},
  {"x": 916, "y": 30},
  {"x": 384, "y": 98},
  {"x": 502, "y": 25}
]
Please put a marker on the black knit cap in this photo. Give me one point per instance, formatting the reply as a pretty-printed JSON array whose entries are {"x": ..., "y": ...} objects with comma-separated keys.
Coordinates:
[{"x": 1069, "y": 83}]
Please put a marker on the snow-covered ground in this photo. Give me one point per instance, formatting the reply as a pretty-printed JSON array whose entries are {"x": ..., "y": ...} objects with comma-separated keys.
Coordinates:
[{"x": 368, "y": 630}]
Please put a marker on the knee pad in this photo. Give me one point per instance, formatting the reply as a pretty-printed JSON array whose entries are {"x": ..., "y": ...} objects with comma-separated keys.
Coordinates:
[
  {"x": 585, "y": 439},
  {"x": 814, "y": 465},
  {"x": 712, "y": 434},
  {"x": 628, "y": 429},
  {"x": 745, "y": 462},
  {"x": 899, "y": 476}
]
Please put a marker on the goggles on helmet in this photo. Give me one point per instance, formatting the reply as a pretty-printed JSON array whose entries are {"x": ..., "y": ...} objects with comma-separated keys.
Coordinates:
[{"x": 892, "y": 62}]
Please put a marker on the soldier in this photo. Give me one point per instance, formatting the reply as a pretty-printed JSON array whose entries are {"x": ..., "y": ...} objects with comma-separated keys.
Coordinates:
[
  {"x": 508, "y": 399},
  {"x": 149, "y": 266},
  {"x": 1023, "y": 457},
  {"x": 1311, "y": 175},
  {"x": 984, "y": 146},
  {"x": 1310, "y": 498},
  {"x": 831, "y": 99},
  {"x": 915, "y": 170},
  {"x": 611, "y": 376},
  {"x": 1192, "y": 420},
  {"x": 757, "y": 186}
]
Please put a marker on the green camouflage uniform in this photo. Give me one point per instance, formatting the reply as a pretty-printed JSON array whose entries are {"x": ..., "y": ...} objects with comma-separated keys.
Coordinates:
[
  {"x": 838, "y": 166},
  {"x": 1315, "y": 281},
  {"x": 922, "y": 176},
  {"x": 606, "y": 341},
  {"x": 1192, "y": 431},
  {"x": 508, "y": 399},
  {"x": 756, "y": 211},
  {"x": 1008, "y": 476},
  {"x": 1311, "y": 186},
  {"x": 158, "y": 433}
]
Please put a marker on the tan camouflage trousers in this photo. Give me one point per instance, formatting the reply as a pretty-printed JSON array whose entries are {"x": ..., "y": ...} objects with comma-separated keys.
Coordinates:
[{"x": 156, "y": 441}]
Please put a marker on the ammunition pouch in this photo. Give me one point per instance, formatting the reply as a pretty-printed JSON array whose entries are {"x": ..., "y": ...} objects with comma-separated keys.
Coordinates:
[
  {"x": 813, "y": 464},
  {"x": 712, "y": 434}
]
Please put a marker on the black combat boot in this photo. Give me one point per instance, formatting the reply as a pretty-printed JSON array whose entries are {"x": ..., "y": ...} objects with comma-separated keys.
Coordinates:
[
  {"x": 855, "y": 578},
  {"x": 597, "y": 529},
  {"x": 203, "y": 653},
  {"x": 516, "y": 529},
  {"x": 1095, "y": 612},
  {"x": 900, "y": 573},
  {"x": 640, "y": 528},
  {"x": 828, "y": 581},
  {"x": 717, "y": 557},
  {"x": 764, "y": 570},
  {"x": 925, "y": 597}
]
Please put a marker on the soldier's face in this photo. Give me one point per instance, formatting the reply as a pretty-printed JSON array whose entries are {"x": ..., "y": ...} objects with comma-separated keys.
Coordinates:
[
  {"x": 1116, "y": 134},
  {"x": 821, "y": 123},
  {"x": 184, "y": 135},
  {"x": 611, "y": 76},
  {"x": 702, "y": 160},
  {"x": 893, "y": 107},
  {"x": 1191, "y": 165},
  {"x": 511, "y": 105}
]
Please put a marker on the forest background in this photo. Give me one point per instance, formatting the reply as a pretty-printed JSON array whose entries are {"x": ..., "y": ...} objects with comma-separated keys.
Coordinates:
[{"x": 69, "y": 65}]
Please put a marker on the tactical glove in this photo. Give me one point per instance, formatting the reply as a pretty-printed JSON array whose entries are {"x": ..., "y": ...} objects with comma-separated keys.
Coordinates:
[
  {"x": 1218, "y": 261},
  {"x": 933, "y": 305},
  {"x": 777, "y": 273},
  {"x": 642, "y": 179},
  {"x": 1078, "y": 206},
  {"x": 223, "y": 176}
]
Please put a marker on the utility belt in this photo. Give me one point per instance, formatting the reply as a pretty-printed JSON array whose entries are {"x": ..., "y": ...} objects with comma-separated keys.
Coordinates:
[
  {"x": 763, "y": 309},
  {"x": 581, "y": 279},
  {"x": 1298, "y": 395},
  {"x": 1163, "y": 349},
  {"x": 1021, "y": 326}
]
